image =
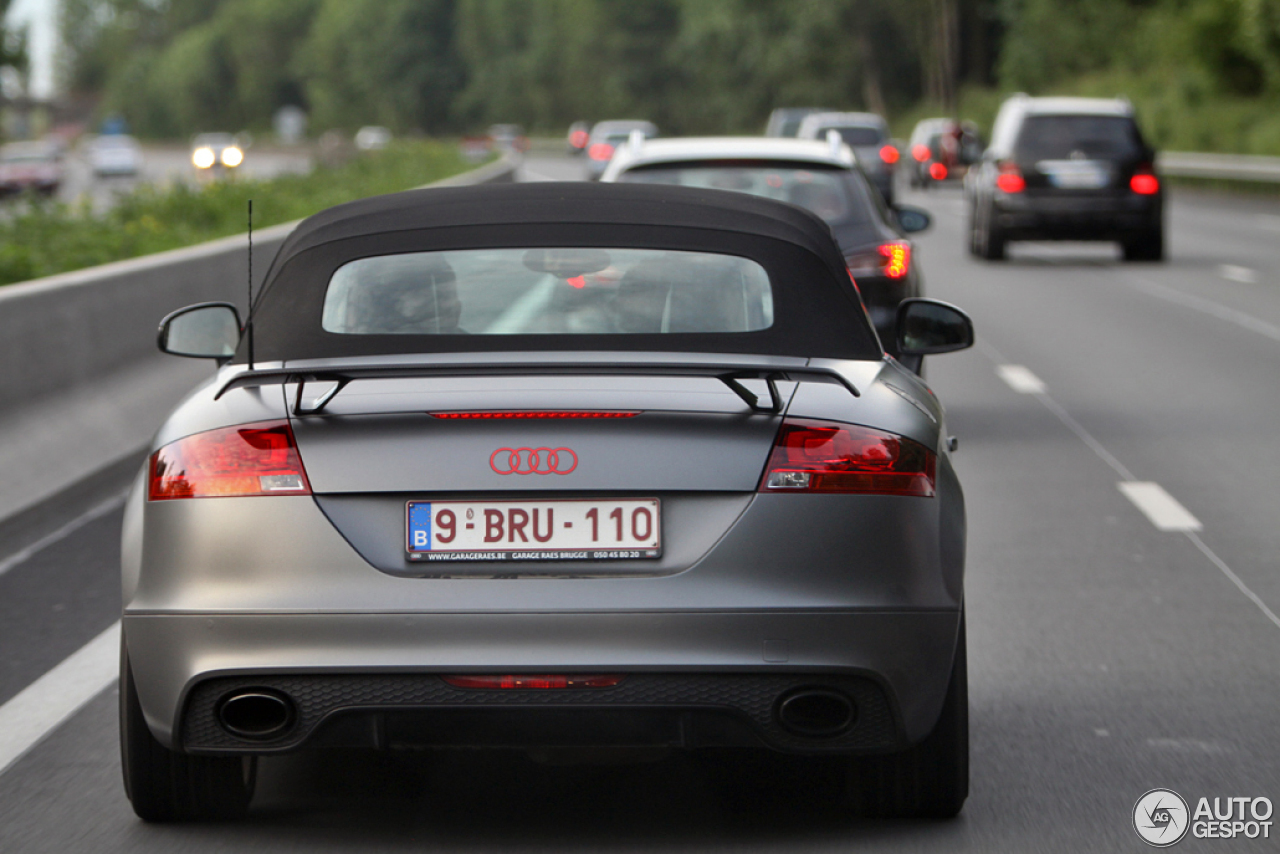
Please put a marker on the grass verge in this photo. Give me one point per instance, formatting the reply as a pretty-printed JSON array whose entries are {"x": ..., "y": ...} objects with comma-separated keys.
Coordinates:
[{"x": 45, "y": 238}]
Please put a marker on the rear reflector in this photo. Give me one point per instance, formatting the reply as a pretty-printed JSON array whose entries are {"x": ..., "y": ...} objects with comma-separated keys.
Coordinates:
[
  {"x": 822, "y": 456},
  {"x": 937, "y": 171},
  {"x": 250, "y": 459},
  {"x": 528, "y": 681},
  {"x": 498, "y": 416}
]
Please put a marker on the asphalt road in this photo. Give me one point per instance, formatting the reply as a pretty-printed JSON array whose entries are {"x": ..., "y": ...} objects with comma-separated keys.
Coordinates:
[{"x": 1107, "y": 657}]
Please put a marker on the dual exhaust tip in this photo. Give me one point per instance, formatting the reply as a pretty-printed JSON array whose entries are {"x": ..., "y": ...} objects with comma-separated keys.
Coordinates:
[
  {"x": 261, "y": 714},
  {"x": 257, "y": 714}
]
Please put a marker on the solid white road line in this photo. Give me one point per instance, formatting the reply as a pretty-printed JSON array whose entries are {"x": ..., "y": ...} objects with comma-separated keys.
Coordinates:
[
  {"x": 1020, "y": 379},
  {"x": 61, "y": 534},
  {"x": 1160, "y": 507},
  {"x": 1238, "y": 274},
  {"x": 44, "y": 704},
  {"x": 1221, "y": 312},
  {"x": 1235, "y": 579}
]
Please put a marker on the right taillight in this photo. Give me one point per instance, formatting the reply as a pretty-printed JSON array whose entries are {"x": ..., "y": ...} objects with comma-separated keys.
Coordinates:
[
  {"x": 1144, "y": 182},
  {"x": 888, "y": 259},
  {"x": 1010, "y": 179},
  {"x": 823, "y": 456},
  {"x": 249, "y": 459}
]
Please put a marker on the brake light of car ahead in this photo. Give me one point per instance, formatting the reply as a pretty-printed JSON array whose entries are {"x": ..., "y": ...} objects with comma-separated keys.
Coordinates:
[
  {"x": 600, "y": 151},
  {"x": 1144, "y": 182},
  {"x": 248, "y": 459},
  {"x": 889, "y": 154},
  {"x": 823, "y": 456},
  {"x": 921, "y": 152},
  {"x": 888, "y": 259},
  {"x": 1010, "y": 179},
  {"x": 938, "y": 171}
]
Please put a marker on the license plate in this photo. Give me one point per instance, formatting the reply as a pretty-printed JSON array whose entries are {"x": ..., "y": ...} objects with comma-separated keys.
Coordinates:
[
  {"x": 567, "y": 529},
  {"x": 1070, "y": 175}
]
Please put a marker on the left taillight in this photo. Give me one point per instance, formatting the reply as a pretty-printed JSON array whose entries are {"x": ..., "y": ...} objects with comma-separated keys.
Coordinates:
[
  {"x": 823, "y": 456},
  {"x": 248, "y": 459}
]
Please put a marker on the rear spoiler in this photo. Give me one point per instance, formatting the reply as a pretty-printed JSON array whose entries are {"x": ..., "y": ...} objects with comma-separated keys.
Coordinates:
[{"x": 730, "y": 375}]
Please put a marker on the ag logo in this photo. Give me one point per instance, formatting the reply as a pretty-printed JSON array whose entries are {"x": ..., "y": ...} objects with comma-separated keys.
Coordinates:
[{"x": 1161, "y": 817}]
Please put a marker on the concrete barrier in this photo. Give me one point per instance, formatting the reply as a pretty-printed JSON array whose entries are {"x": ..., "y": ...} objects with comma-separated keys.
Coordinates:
[{"x": 73, "y": 328}]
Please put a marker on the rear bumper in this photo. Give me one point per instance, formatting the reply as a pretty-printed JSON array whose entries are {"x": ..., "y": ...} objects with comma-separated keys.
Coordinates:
[
  {"x": 1076, "y": 218},
  {"x": 682, "y": 668}
]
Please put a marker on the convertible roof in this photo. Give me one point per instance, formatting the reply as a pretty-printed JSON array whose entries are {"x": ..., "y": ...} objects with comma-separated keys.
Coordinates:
[
  {"x": 817, "y": 310},
  {"x": 560, "y": 206}
]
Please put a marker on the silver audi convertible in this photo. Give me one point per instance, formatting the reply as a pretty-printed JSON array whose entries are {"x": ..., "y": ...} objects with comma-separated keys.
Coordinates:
[{"x": 550, "y": 467}]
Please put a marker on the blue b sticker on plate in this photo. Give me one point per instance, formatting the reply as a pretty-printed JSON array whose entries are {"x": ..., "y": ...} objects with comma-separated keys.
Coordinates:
[{"x": 419, "y": 527}]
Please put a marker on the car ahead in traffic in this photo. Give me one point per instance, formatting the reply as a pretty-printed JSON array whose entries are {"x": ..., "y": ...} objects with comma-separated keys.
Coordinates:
[
  {"x": 34, "y": 167},
  {"x": 942, "y": 150},
  {"x": 607, "y": 137},
  {"x": 556, "y": 467},
  {"x": 820, "y": 176},
  {"x": 115, "y": 155},
  {"x": 1066, "y": 169},
  {"x": 785, "y": 121},
  {"x": 216, "y": 153},
  {"x": 508, "y": 139},
  {"x": 868, "y": 135}
]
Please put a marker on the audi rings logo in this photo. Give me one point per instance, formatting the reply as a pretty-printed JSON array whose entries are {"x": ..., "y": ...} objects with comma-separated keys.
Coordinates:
[{"x": 533, "y": 461}]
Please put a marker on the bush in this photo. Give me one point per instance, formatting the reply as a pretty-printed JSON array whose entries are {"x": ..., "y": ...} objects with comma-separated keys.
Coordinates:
[{"x": 43, "y": 238}]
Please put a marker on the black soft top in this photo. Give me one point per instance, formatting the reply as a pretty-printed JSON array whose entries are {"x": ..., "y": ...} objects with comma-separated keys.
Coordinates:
[{"x": 817, "y": 309}]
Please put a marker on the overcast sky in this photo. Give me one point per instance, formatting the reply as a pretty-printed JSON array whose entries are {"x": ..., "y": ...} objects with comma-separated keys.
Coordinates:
[{"x": 40, "y": 18}]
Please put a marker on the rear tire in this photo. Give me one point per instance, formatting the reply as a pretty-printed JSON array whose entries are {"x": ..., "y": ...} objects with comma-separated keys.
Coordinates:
[
  {"x": 930, "y": 780},
  {"x": 1147, "y": 247},
  {"x": 991, "y": 241},
  {"x": 168, "y": 786}
]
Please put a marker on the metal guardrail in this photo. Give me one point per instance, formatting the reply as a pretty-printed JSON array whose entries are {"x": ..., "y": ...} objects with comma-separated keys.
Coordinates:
[{"x": 1232, "y": 167}]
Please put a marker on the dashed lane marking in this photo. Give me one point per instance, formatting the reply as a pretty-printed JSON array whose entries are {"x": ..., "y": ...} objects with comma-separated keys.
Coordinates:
[
  {"x": 43, "y": 705},
  {"x": 1020, "y": 379},
  {"x": 1238, "y": 274},
  {"x": 1160, "y": 507}
]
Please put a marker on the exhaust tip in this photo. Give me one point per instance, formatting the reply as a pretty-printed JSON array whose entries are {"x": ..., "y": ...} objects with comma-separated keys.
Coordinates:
[
  {"x": 816, "y": 712},
  {"x": 256, "y": 713}
]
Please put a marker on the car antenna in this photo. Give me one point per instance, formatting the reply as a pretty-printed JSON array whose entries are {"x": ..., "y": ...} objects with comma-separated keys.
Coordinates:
[{"x": 248, "y": 318}]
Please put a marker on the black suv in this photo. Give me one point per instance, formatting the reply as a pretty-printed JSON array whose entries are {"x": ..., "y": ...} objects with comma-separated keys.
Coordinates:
[{"x": 1066, "y": 169}]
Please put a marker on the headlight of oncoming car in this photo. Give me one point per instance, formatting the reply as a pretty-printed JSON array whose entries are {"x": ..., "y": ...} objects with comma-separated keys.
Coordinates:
[
  {"x": 232, "y": 156},
  {"x": 203, "y": 158}
]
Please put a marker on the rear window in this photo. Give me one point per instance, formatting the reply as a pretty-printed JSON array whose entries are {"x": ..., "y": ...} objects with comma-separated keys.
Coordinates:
[
  {"x": 559, "y": 291},
  {"x": 832, "y": 194},
  {"x": 1080, "y": 137},
  {"x": 855, "y": 137}
]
